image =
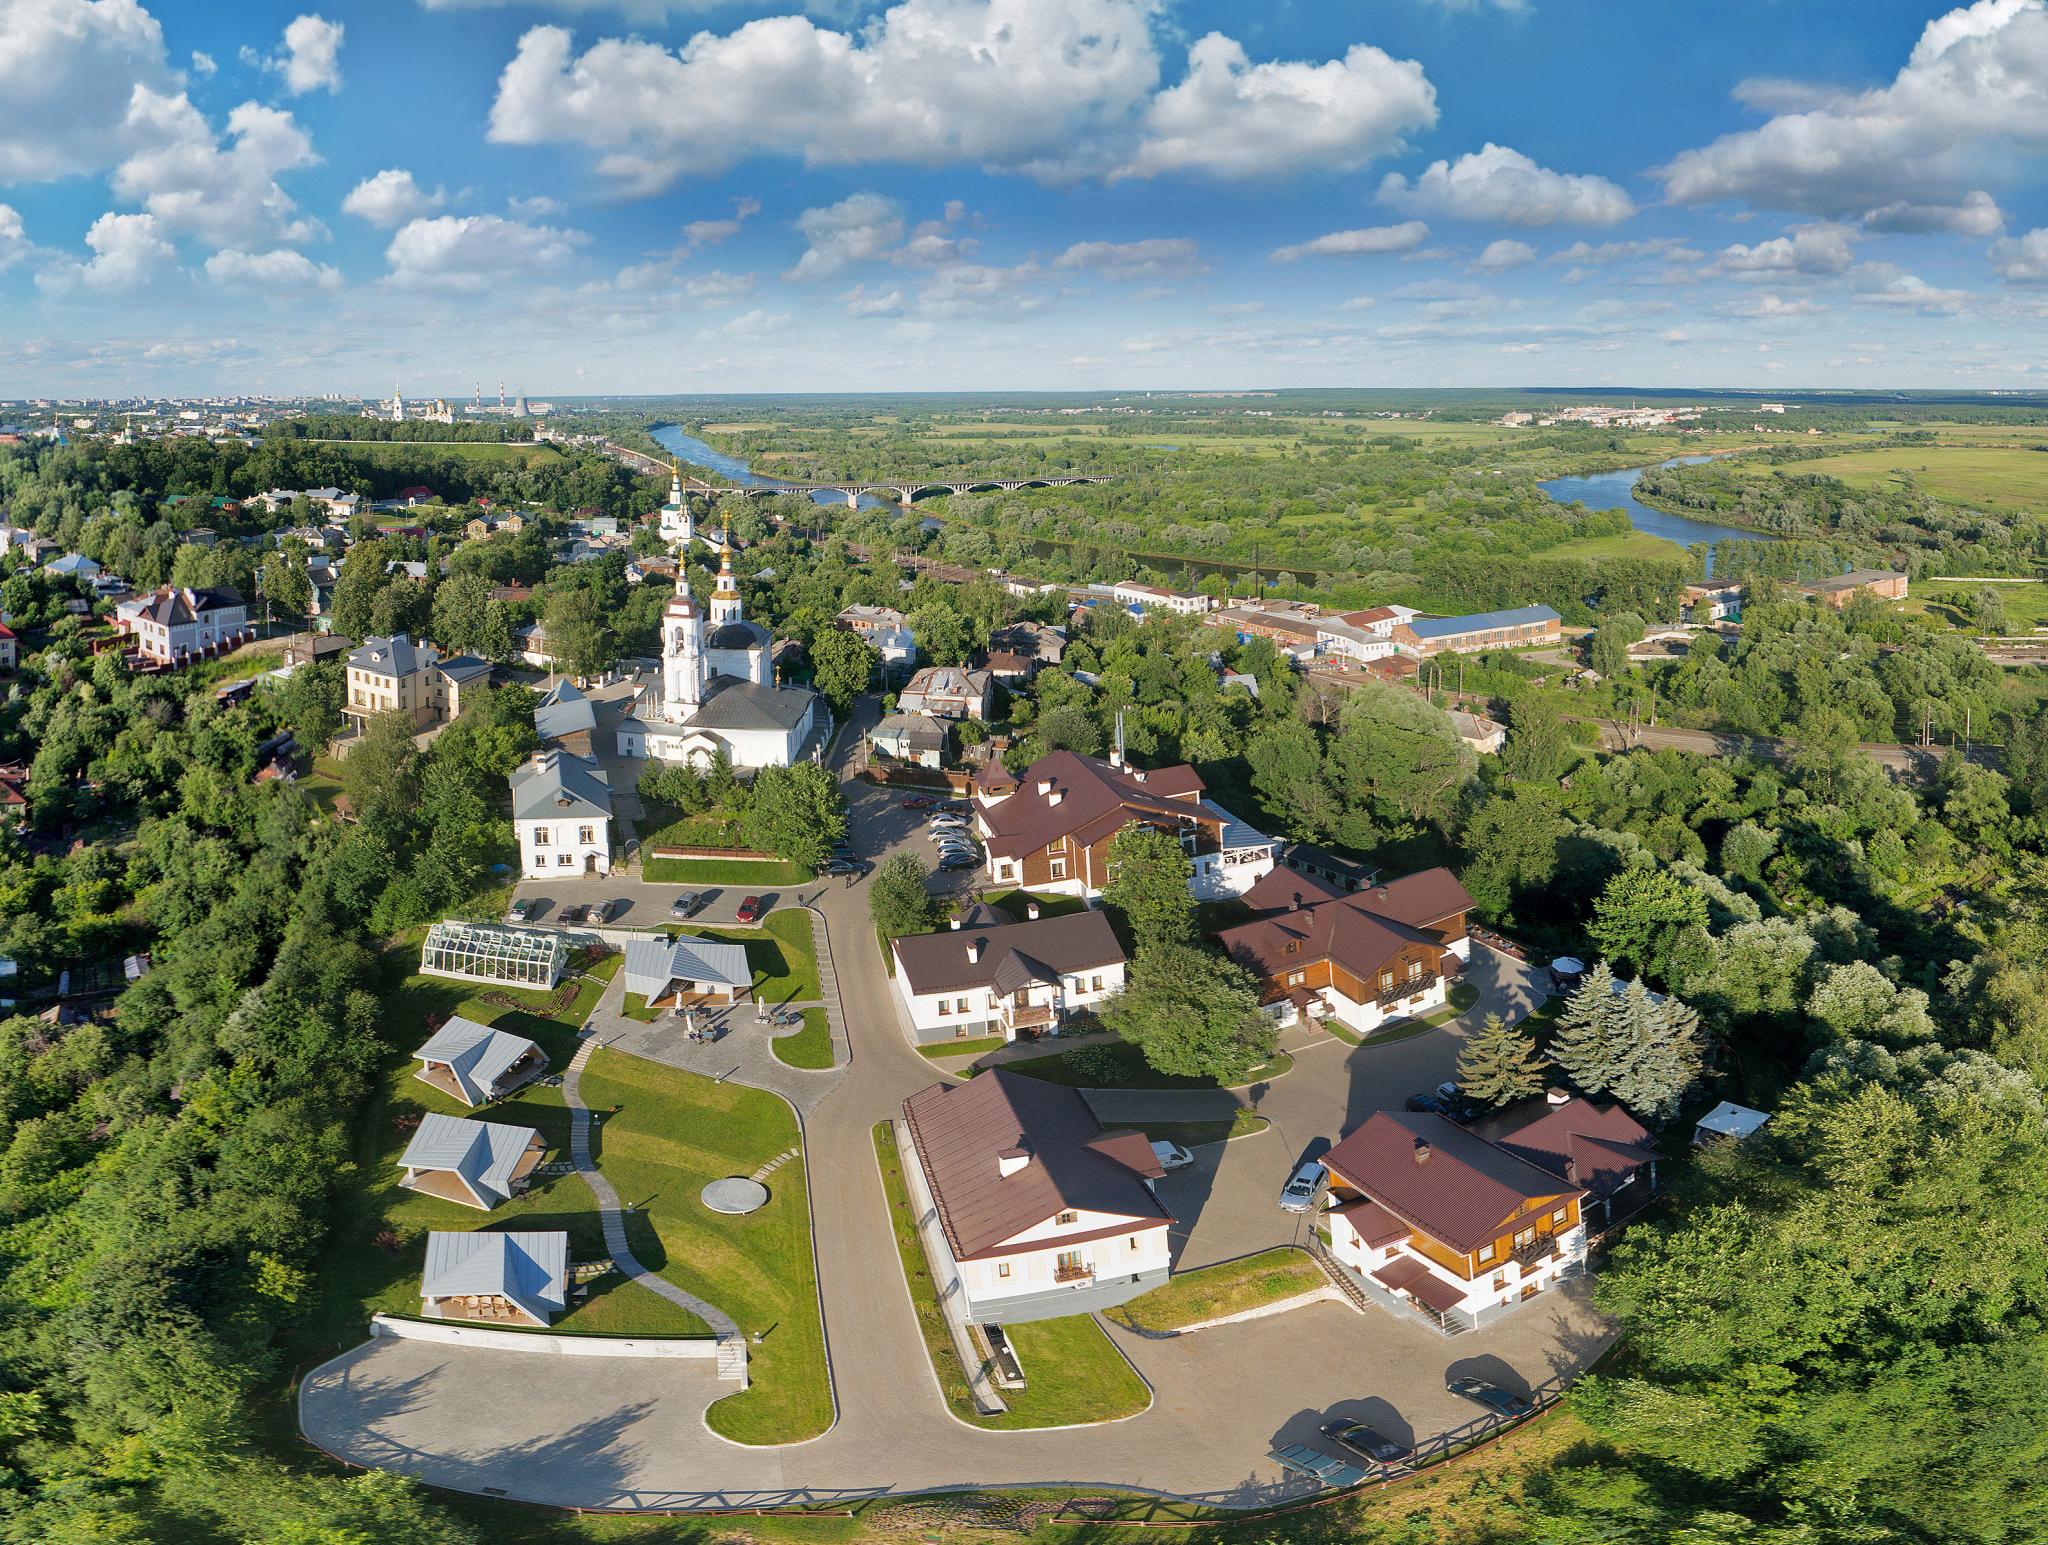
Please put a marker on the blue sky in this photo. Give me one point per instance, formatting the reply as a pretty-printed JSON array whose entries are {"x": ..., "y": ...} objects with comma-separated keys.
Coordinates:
[{"x": 666, "y": 196}]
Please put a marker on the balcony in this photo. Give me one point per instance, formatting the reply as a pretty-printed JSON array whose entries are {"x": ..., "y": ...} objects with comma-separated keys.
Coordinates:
[
  {"x": 1027, "y": 1016},
  {"x": 1541, "y": 1248},
  {"x": 1390, "y": 996},
  {"x": 1068, "y": 1271}
]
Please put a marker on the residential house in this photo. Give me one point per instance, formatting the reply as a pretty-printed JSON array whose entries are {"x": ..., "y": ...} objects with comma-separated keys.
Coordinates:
[
  {"x": 1478, "y": 731},
  {"x": 910, "y": 737},
  {"x": 173, "y": 625},
  {"x": 565, "y": 717},
  {"x": 1020, "y": 650},
  {"x": 1601, "y": 1148},
  {"x": 10, "y": 649},
  {"x": 948, "y": 692},
  {"x": 419, "y": 493},
  {"x": 476, "y": 1064},
  {"x": 562, "y": 812},
  {"x": 988, "y": 974},
  {"x": 688, "y": 970},
  {"x": 73, "y": 566},
  {"x": 1885, "y": 584},
  {"x": 1433, "y": 1220},
  {"x": 397, "y": 675},
  {"x": 1713, "y": 603},
  {"x": 1520, "y": 628},
  {"x": 884, "y": 627},
  {"x": 1050, "y": 827},
  {"x": 1363, "y": 958},
  {"x": 1337, "y": 873},
  {"x": 1040, "y": 1213},
  {"x": 1152, "y": 598},
  {"x": 494, "y": 1274},
  {"x": 482, "y": 526},
  {"x": 472, "y": 1163}
]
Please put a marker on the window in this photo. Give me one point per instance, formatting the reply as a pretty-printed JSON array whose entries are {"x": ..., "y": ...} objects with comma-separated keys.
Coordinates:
[
  {"x": 1095, "y": 984},
  {"x": 1059, "y": 869},
  {"x": 1558, "y": 1216},
  {"x": 1068, "y": 1217},
  {"x": 1296, "y": 978},
  {"x": 945, "y": 1009},
  {"x": 1524, "y": 1237},
  {"x": 1002, "y": 1268},
  {"x": 959, "y": 1005},
  {"x": 564, "y": 860},
  {"x": 540, "y": 836},
  {"x": 1414, "y": 970},
  {"x": 1386, "y": 979},
  {"x": 585, "y": 834},
  {"x": 1500, "y": 1281},
  {"x": 1485, "y": 1253}
]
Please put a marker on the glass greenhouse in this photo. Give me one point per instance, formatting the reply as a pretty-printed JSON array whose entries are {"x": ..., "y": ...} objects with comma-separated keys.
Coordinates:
[{"x": 490, "y": 952}]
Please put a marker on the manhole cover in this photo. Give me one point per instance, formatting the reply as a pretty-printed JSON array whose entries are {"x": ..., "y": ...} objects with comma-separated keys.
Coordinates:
[{"x": 735, "y": 1194}]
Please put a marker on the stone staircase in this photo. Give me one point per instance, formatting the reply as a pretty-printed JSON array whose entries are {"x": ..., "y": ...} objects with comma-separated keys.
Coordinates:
[
  {"x": 732, "y": 1359},
  {"x": 1340, "y": 1279}
]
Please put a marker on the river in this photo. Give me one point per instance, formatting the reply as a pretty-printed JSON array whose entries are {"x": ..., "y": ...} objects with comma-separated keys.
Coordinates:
[
  {"x": 1615, "y": 491},
  {"x": 694, "y": 452}
]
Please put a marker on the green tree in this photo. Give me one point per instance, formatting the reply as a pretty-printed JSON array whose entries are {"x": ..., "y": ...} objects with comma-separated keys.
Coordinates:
[
  {"x": 1288, "y": 776},
  {"x": 796, "y": 813},
  {"x": 1193, "y": 1014},
  {"x": 1395, "y": 755},
  {"x": 1640, "y": 914},
  {"x": 1500, "y": 1063},
  {"x": 286, "y": 585},
  {"x": 1147, "y": 888},
  {"x": 1538, "y": 748},
  {"x": 461, "y": 605},
  {"x": 577, "y": 634},
  {"x": 897, "y": 899},
  {"x": 1608, "y": 651},
  {"x": 380, "y": 775},
  {"x": 841, "y": 664}
]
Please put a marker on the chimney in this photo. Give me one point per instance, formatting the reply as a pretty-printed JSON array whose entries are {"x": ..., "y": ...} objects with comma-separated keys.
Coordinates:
[
  {"x": 1557, "y": 1096},
  {"x": 1422, "y": 1153},
  {"x": 1010, "y": 1160},
  {"x": 1138, "y": 773},
  {"x": 973, "y": 951},
  {"x": 953, "y": 922},
  {"x": 1055, "y": 796},
  {"x": 1381, "y": 893},
  {"x": 1571, "y": 1169},
  {"x": 1031, "y": 911},
  {"x": 1045, "y": 785}
]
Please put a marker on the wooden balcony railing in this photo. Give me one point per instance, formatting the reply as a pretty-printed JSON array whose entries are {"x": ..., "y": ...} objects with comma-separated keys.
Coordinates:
[{"x": 1066, "y": 1273}]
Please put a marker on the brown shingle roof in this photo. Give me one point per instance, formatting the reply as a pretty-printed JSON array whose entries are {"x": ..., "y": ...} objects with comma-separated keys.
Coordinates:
[
  {"x": 1284, "y": 888},
  {"x": 1461, "y": 1193},
  {"x": 1590, "y": 1145},
  {"x": 1360, "y": 932},
  {"x": 960, "y": 1130},
  {"x": 1095, "y": 799},
  {"x": 937, "y": 962}
]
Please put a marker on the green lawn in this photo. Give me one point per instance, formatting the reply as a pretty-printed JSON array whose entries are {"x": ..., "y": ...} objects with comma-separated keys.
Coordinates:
[
  {"x": 1015, "y": 902},
  {"x": 673, "y": 1133},
  {"x": 1460, "y": 997},
  {"x": 750, "y": 872},
  {"x": 1977, "y": 474},
  {"x": 1118, "y": 1065},
  {"x": 1193, "y": 1134},
  {"x": 1620, "y": 544},
  {"x": 1227, "y": 1288},
  {"x": 810, "y": 1047},
  {"x": 1073, "y": 1371},
  {"x": 377, "y": 1246},
  {"x": 782, "y": 952},
  {"x": 973, "y": 1046}
]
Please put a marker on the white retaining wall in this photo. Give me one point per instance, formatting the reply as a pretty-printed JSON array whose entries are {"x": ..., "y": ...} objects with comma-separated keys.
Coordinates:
[{"x": 542, "y": 1341}]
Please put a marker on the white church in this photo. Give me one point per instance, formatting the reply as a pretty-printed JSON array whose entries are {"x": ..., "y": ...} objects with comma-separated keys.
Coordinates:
[{"x": 714, "y": 692}]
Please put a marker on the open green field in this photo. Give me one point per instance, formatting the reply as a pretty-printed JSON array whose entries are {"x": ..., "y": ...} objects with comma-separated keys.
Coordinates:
[
  {"x": 1982, "y": 474},
  {"x": 665, "y": 1135},
  {"x": 749, "y": 872},
  {"x": 389, "y": 452},
  {"x": 1073, "y": 1373},
  {"x": 1625, "y": 544},
  {"x": 2026, "y": 605}
]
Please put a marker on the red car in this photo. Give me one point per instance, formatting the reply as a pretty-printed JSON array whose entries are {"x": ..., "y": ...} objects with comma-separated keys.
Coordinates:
[
  {"x": 915, "y": 802},
  {"x": 750, "y": 910}
]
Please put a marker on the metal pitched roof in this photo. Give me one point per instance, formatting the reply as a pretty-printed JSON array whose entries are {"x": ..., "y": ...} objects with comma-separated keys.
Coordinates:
[
  {"x": 483, "y": 1153},
  {"x": 530, "y": 1270},
  {"x": 651, "y": 964},
  {"x": 477, "y": 1055},
  {"x": 555, "y": 785}
]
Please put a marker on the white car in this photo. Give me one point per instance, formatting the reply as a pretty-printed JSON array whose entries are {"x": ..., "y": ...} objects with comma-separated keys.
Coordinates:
[
  {"x": 1299, "y": 1194},
  {"x": 1171, "y": 1155}
]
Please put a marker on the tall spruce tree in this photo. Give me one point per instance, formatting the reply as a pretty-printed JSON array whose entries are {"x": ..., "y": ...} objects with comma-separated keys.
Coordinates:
[
  {"x": 1655, "y": 1051},
  {"x": 1500, "y": 1063},
  {"x": 1581, "y": 1047}
]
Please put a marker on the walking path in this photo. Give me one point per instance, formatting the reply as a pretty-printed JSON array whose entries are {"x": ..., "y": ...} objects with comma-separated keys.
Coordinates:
[{"x": 613, "y": 1218}]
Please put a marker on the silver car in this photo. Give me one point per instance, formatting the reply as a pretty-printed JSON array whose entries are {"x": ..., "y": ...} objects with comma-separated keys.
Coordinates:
[{"x": 1299, "y": 1194}]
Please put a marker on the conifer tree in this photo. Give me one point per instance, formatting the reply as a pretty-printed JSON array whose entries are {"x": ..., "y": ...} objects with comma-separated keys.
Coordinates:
[
  {"x": 1500, "y": 1064},
  {"x": 1581, "y": 1048}
]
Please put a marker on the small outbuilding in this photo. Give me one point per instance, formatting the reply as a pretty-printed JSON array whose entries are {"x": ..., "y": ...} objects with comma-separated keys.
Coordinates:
[
  {"x": 693, "y": 969},
  {"x": 1728, "y": 1120},
  {"x": 473, "y": 1163},
  {"x": 520, "y": 1278},
  {"x": 474, "y": 1063}
]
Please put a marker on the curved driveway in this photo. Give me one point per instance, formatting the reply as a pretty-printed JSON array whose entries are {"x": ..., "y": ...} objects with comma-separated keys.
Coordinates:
[{"x": 624, "y": 1434}]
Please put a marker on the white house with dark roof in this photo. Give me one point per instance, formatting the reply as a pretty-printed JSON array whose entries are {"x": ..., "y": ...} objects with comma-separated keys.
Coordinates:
[
  {"x": 522, "y": 1278},
  {"x": 990, "y": 975},
  {"x": 473, "y": 1163},
  {"x": 475, "y": 1063},
  {"x": 173, "y": 624},
  {"x": 562, "y": 812},
  {"x": 948, "y": 692},
  {"x": 687, "y": 967},
  {"x": 1040, "y": 1213}
]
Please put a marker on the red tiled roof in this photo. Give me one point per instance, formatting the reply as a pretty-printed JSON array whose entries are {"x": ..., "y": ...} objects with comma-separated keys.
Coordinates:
[
  {"x": 1445, "y": 1181},
  {"x": 1283, "y": 888},
  {"x": 1372, "y": 1222},
  {"x": 1360, "y": 932},
  {"x": 1095, "y": 799}
]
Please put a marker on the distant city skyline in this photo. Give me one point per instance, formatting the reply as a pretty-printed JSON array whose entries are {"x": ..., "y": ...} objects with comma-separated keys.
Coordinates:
[{"x": 672, "y": 197}]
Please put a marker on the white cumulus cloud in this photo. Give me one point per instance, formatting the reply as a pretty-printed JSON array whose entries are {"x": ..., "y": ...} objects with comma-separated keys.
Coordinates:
[
  {"x": 223, "y": 192},
  {"x": 1809, "y": 250},
  {"x": 390, "y": 199},
  {"x": 14, "y": 242},
  {"x": 1158, "y": 257},
  {"x": 1975, "y": 88},
  {"x": 859, "y": 228},
  {"x": 311, "y": 60},
  {"x": 127, "y": 251},
  {"x": 67, "y": 71},
  {"x": 468, "y": 252},
  {"x": 1368, "y": 241},
  {"x": 2022, "y": 259},
  {"x": 1502, "y": 255},
  {"x": 1233, "y": 118},
  {"x": 280, "y": 269},
  {"x": 1504, "y": 186}
]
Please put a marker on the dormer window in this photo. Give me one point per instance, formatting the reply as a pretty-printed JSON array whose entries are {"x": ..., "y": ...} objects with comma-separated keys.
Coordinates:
[{"x": 1067, "y": 1217}]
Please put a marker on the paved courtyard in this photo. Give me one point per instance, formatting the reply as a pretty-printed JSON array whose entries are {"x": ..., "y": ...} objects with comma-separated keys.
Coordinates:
[{"x": 626, "y": 1433}]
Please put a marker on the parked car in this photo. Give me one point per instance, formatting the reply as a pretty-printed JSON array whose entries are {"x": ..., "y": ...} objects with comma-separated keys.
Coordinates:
[
  {"x": 523, "y": 910},
  {"x": 750, "y": 910},
  {"x": 914, "y": 802},
  {"x": 841, "y": 866},
  {"x": 1497, "y": 1400},
  {"x": 1365, "y": 1442},
  {"x": 954, "y": 861},
  {"x": 1170, "y": 1155},
  {"x": 1455, "y": 1105},
  {"x": 685, "y": 905},
  {"x": 1299, "y": 1194},
  {"x": 572, "y": 914},
  {"x": 604, "y": 911}
]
